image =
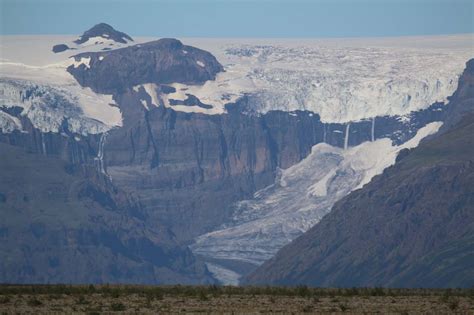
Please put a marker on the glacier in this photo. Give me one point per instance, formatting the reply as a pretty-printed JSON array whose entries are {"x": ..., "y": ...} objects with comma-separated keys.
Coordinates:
[
  {"x": 299, "y": 198},
  {"x": 47, "y": 108},
  {"x": 342, "y": 80}
]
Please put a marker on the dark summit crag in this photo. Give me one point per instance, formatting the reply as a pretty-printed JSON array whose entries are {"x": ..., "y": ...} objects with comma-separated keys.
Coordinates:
[{"x": 106, "y": 31}]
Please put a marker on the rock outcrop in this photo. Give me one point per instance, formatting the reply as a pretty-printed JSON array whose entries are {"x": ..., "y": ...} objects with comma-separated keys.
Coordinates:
[
  {"x": 104, "y": 31},
  {"x": 163, "y": 61},
  {"x": 60, "y": 48}
]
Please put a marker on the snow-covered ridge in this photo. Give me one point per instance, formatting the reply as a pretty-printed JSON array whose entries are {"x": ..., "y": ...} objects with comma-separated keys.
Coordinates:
[{"x": 300, "y": 197}]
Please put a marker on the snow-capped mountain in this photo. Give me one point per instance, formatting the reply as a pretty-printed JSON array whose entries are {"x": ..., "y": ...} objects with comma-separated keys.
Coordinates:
[
  {"x": 239, "y": 147},
  {"x": 101, "y": 36},
  {"x": 103, "y": 32}
]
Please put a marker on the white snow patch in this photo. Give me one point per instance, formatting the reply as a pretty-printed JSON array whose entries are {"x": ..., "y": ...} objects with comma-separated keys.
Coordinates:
[
  {"x": 98, "y": 40},
  {"x": 144, "y": 104},
  {"x": 83, "y": 61},
  {"x": 101, "y": 58},
  {"x": 200, "y": 63},
  {"x": 150, "y": 88},
  {"x": 179, "y": 94}
]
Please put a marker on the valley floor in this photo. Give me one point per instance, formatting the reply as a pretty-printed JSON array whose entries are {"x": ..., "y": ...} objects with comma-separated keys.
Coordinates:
[{"x": 42, "y": 299}]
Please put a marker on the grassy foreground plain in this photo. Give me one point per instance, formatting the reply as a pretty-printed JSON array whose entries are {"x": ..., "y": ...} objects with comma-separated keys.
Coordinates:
[{"x": 100, "y": 299}]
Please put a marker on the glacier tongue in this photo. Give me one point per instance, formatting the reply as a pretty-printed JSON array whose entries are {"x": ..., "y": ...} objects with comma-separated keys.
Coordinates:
[
  {"x": 46, "y": 107},
  {"x": 300, "y": 197}
]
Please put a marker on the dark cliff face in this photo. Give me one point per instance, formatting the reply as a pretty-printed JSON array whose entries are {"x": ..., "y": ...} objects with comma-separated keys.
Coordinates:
[
  {"x": 412, "y": 226},
  {"x": 163, "y": 61},
  {"x": 106, "y": 31},
  {"x": 75, "y": 149},
  {"x": 188, "y": 168},
  {"x": 61, "y": 225},
  {"x": 461, "y": 102}
]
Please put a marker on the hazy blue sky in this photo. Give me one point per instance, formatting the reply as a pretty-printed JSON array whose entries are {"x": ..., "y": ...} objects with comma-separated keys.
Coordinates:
[{"x": 241, "y": 18}]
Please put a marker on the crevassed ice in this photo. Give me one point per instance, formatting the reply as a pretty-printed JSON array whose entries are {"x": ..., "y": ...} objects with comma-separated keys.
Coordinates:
[
  {"x": 9, "y": 123},
  {"x": 46, "y": 107},
  {"x": 340, "y": 82}
]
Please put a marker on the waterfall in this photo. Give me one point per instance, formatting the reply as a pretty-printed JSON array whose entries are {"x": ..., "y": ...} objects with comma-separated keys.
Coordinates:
[
  {"x": 100, "y": 154},
  {"x": 373, "y": 129},
  {"x": 324, "y": 133},
  {"x": 43, "y": 145},
  {"x": 346, "y": 138}
]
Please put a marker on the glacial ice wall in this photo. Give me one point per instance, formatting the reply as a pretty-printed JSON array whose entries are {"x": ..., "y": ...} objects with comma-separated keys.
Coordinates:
[
  {"x": 47, "y": 108},
  {"x": 341, "y": 83}
]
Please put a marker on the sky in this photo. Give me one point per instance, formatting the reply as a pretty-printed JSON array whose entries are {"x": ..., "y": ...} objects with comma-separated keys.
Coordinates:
[{"x": 241, "y": 18}]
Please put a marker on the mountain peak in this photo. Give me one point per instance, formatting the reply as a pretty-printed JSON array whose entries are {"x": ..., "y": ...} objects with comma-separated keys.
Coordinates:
[{"x": 105, "y": 31}]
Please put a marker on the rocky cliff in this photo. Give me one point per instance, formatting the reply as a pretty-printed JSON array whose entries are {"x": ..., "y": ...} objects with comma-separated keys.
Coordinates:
[
  {"x": 163, "y": 61},
  {"x": 67, "y": 225},
  {"x": 189, "y": 168}
]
